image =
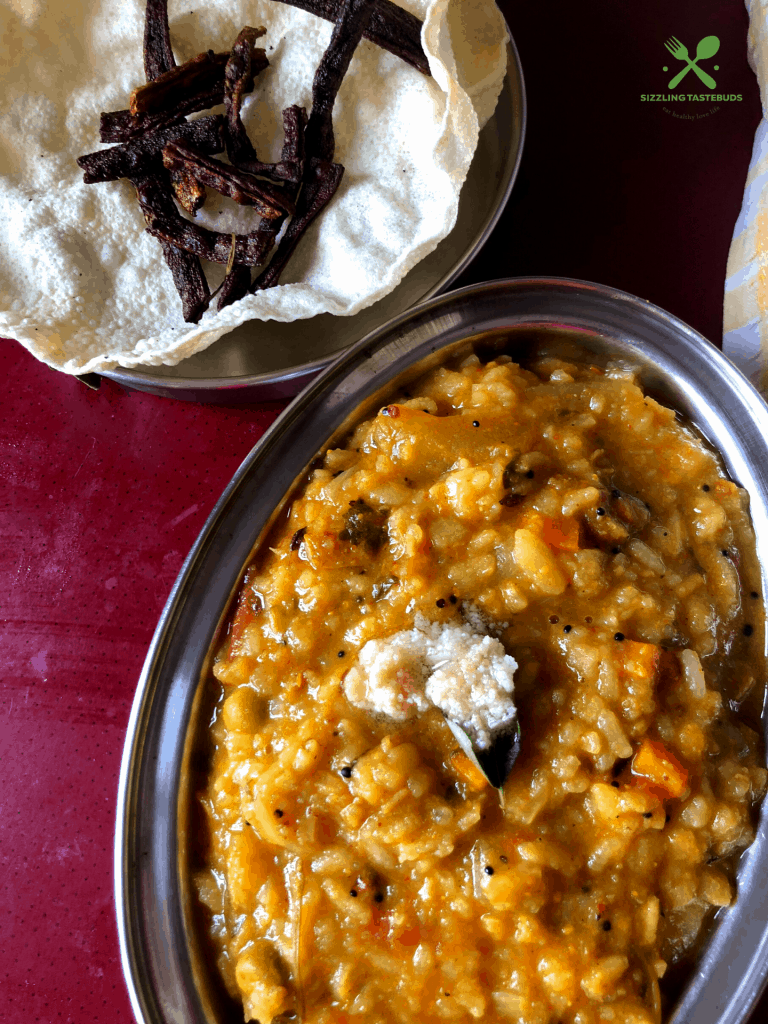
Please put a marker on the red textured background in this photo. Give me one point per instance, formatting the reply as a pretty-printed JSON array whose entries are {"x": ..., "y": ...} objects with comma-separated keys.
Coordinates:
[{"x": 103, "y": 493}]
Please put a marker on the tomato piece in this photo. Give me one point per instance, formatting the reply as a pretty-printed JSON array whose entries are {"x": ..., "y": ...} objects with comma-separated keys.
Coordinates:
[
  {"x": 562, "y": 534},
  {"x": 248, "y": 610},
  {"x": 410, "y": 936}
]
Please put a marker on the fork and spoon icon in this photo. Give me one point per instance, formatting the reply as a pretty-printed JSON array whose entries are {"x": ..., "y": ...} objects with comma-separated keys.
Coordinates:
[{"x": 708, "y": 47}]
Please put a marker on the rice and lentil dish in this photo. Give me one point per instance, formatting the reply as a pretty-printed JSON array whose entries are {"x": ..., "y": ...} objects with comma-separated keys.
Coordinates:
[{"x": 359, "y": 866}]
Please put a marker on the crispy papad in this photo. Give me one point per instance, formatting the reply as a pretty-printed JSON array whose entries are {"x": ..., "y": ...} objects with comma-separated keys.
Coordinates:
[{"x": 83, "y": 285}]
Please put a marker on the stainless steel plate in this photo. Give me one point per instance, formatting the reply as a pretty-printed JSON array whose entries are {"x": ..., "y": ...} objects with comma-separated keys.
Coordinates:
[
  {"x": 165, "y": 974},
  {"x": 264, "y": 360}
]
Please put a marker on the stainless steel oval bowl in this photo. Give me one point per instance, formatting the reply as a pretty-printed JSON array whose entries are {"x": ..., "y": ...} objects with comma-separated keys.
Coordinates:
[{"x": 167, "y": 977}]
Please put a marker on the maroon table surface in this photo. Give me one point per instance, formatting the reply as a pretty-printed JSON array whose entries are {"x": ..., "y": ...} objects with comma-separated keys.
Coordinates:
[{"x": 105, "y": 491}]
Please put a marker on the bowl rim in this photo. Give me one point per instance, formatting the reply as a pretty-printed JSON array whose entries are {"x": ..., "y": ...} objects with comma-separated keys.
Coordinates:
[{"x": 150, "y": 902}]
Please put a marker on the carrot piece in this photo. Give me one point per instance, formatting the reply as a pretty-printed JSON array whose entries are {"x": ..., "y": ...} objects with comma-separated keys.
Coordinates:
[
  {"x": 659, "y": 769},
  {"x": 467, "y": 772},
  {"x": 639, "y": 660}
]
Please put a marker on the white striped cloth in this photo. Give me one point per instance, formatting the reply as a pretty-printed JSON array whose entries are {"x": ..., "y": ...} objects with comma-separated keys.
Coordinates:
[{"x": 745, "y": 314}]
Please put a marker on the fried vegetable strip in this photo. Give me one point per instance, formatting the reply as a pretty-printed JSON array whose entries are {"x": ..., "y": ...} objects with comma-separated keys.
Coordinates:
[
  {"x": 186, "y": 269},
  {"x": 316, "y": 193},
  {"x": 190, "y": 281},
  {"x": 240, "y": 149},
  {"x": 203, "y": 73},
  {"x": 321, "y": 177},
  {"x": 234, "y": 287},
  {"x": 122, "y": 126},
  {"x": 294, "y": 150},
  {"x": 158, "y": 52},
  {"x": 290, "y": 167},
  {"x": 165, "y": 222},
  {"x": 354, "y": 16},
  {"x": 268, "y": 200},
  {"x": 237, "y": 284},
  {"x": 236, "y": 75},
  {"x": 189, "y": 192},
  {"x": 136, "y": 157},
  {"x": 391, "y": 28}
]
